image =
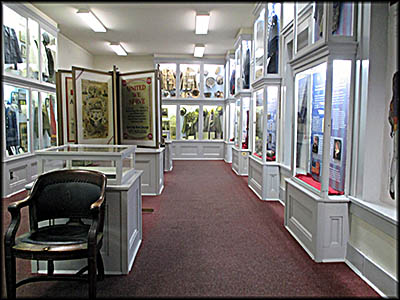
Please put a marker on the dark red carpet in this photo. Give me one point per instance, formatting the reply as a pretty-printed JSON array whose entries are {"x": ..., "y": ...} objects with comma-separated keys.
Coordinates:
[{"x": 210, "y": 235}]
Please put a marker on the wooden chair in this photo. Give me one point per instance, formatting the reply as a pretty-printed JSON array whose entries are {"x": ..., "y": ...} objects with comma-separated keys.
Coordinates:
[{"x": 71, "y": 204}]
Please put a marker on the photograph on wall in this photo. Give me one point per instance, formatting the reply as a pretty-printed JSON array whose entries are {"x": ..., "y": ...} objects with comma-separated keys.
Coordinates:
[
  {"x": 66, "y": 101},
  {"x": 93, "y": 96},
  {"x": 138, "y": 109}
]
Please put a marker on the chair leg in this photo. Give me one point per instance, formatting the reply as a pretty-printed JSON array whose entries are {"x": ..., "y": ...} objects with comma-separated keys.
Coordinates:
[
  {"x": 10, "y": 276},
  {"x": 92, "y": 277},
  {"x": 50, "y": 267},
  {"x": 100, "y": 266}
]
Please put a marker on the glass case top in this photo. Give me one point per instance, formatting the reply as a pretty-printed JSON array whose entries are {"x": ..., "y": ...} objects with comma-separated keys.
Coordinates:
[{"x": 89, "y": 148}]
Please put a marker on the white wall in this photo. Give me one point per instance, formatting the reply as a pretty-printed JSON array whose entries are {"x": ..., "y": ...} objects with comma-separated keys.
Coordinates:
[
  {"x": 125, "y": 64},
  {"x": 71, "y": 54}
]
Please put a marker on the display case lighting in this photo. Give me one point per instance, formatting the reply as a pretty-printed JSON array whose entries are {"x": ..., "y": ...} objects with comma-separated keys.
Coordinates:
[
  {"x": 202, "y": 20},
  {"x": 91, "y": 20},
  {"x": 118, "y": 49},
  {"x": 199, "y": 50}
]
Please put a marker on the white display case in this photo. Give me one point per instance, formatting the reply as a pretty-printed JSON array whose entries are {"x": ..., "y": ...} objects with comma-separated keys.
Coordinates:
[
  {"x": 117, "y": 162},
  {"x": 316, "y": 206},
  {"x": 243, "y": 54},
  {"x": 229, "y": 138},
  {"x": 263, "y": 167},
  {"x": 266, "y": 32}
]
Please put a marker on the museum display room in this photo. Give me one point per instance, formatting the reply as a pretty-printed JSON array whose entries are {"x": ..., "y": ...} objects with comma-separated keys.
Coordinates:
[{"x": 303, "y": 104}]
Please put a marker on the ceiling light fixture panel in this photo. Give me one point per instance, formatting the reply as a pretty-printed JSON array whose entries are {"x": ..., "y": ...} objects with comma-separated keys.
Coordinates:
[
  {"x": 199, "y": 50},
  {"x": 91, "y": 20},
  {"x": 118, "y": 49},
  {"x": 202, "y": 21}
]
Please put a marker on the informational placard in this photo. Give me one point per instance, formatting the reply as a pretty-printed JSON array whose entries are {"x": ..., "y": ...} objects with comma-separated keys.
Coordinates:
[
  {"x": 138, "y": 109},
  {"x": 302, "y": 100},
  {"x": 93, "y": 94},
  {"x": 340, "y": 102},
  {"x": 317, "y": 123},
  {"x": 70, "y": 104}
]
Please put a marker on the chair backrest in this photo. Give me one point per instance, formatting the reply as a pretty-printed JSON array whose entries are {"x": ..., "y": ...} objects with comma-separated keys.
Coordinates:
[{"x": 66, "y": 194}]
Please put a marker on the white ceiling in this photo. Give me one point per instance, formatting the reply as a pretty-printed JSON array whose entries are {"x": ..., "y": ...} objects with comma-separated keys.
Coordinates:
[{"x": 151, "y": 28}]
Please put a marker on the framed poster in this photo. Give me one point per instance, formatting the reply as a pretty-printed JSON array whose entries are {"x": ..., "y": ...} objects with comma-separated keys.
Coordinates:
[
  {"x": 66, "y": 101},
  {"x": 138, "y": 108},
  {"x": 93, "y": 95}
]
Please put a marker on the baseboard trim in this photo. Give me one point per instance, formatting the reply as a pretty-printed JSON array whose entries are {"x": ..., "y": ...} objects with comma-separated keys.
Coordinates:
[{"x": 369, "y": 271}]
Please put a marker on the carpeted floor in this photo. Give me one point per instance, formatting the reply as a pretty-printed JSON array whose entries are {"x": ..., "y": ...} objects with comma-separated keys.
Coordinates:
[{"x": 210, "y": 235}]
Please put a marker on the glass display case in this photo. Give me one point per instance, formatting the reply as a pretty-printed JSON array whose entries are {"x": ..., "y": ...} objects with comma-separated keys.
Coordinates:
[
  {"x": 168, "y": 80},
  {"x": 241, "y": 149},
  {"x": 117, "y": 162},
  {"x": 213, "y": 121},
  {"x": 49, "y": 52},
  {"x": 16, "y": 110},
  {"x": 266, "y": 31},
  {"x": 168, "y": 113},
  {"x": 213, "y": 81},
  {"x": 189, "y": 80},
  {"x": 189, "y": 122},
  {"x": 243, "y": 56},
  {"x": 230, "y": 75},
  {"x": 311, "y": 24},
  {"x": 315, "y": 149}
]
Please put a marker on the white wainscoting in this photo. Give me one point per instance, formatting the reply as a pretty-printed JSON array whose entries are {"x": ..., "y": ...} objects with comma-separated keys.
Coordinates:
[
  {"x": 151, "y": 162},
  {"x": 228, "y": 152},
  {"x": 321, "y": 226},
  {"x": 198, "y": 150},
  {"x": 240, "y": 161},
  {"x": 263, "y": 179}
]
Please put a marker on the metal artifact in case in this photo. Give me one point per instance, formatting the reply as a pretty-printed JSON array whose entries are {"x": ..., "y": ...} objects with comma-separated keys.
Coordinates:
[{"x": 117, "y": 162}]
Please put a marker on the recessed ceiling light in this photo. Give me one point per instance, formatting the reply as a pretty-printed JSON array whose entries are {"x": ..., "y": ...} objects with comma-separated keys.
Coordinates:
[
  {"x": 118, "y": 49},
  {"x": 199, "y": 50},
  {"x": 91, "y": 20},
  {"x": 202, "y": 20}
]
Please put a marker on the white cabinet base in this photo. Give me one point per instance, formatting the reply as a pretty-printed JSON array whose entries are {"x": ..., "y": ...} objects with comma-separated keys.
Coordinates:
[
  {"x": 228, "y": 152},
  {"x": 263, "y": 179},
  {"x": 168, "y": 157},
  {"x": 122, "y": 231},
  {"x": 151, "y": 162},
  {"x": 321, "y": 226},
  {"x": 198, "y": 150},
  {"x": 240, "y": 161}
]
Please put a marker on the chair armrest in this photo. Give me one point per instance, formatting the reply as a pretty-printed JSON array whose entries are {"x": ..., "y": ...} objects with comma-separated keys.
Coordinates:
[
  {"x": 15, "y": 211},
  {"x": 95, "y": 206}
]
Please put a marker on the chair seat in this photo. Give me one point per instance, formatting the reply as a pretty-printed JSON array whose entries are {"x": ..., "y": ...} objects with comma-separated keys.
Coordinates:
[
  {"x": 58, "y": 234},
  {"x": 55, "y": 238}
]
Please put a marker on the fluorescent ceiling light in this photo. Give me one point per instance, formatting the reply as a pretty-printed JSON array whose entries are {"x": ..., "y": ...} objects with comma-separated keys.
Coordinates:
[
  {"x": 199, "y": 50},
  {"x": 202, "y": 20},
  {"x": 91, "y": 20},
  {"x": 118, "y": 49}
]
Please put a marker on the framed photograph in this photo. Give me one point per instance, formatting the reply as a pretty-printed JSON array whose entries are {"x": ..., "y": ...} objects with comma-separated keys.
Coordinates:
[
  {"x": 93, "y": 96},
  {"x": 138, "y": 109},
  {"x": 66, "y": 101},
  {"x": 337, "y": 149}
]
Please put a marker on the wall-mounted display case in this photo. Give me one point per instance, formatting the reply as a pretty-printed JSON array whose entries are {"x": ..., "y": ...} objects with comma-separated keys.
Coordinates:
[
  {"x": 243, "y": 54},
  {"x": 194, "y": 79},
  {"x": 229, "y": 130},
  {"x": 266, "y": 32},
  {"x": 117, "y": 162},
  {"x": 313, "y": 19},
  {"x": 316, "y": 210},
  {"x": 30, "y": 46}
]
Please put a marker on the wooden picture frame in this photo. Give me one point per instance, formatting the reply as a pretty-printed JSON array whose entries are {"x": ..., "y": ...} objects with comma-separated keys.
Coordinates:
[
  {"x": 139, "y": 109},
  {"x": 94, "y": 100},
  {"x": 67, "y": 107}
]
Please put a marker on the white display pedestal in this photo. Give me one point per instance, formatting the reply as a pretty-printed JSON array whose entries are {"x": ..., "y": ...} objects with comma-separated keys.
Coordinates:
[
  {"x": 264, "y": 179},
  {"x": 151, "y": 162},
  {"x": 240, "y": 161},
  {"x": 168, "y": 166},
  {"x": 122, "y": 230},
  {"x": 321, "y": 226},
  {"x": 228, "y": 151}
]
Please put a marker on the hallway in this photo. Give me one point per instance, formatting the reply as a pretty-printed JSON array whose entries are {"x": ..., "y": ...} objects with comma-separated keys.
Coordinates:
[{"x": 210, "y": 235}]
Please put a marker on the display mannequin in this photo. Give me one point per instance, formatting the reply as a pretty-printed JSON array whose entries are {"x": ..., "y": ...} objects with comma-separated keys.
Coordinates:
[
  {"x": 50, "y": 60},
  {"x": 188, "y": 80}
]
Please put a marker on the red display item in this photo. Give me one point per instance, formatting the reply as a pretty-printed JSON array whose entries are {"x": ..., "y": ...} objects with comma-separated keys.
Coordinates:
[{"x": 311, "y": 181}]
